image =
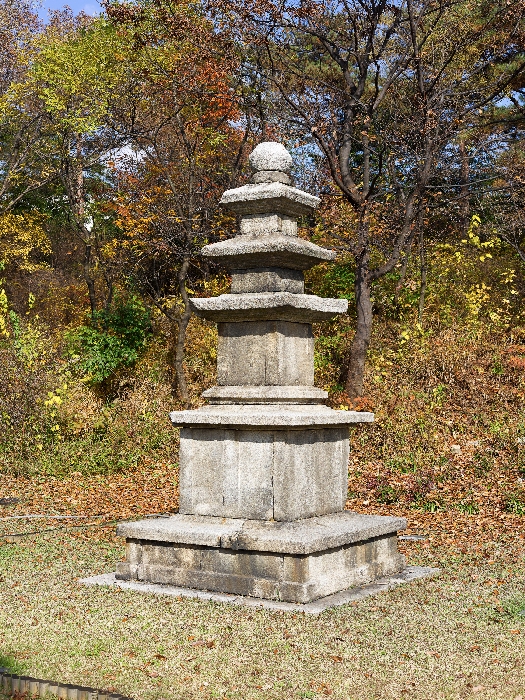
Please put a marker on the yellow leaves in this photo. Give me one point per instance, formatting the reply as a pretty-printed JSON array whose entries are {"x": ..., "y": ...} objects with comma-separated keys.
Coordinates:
[
  {"x": 476, "y": 297},
  {"x": 53, "y": 400},
  {"x": 21, "y": 236},
  {"x": 507, "y": 277},
  {"x": 404, "y": 337},
  {"x": 475, "y": 240},
  {"x": 4, "y": 307},
  {"x": 76, "y": 74}
]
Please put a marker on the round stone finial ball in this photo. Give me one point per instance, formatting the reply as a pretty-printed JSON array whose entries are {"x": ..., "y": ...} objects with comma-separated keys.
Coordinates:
[{"x": 271, "y": 155}]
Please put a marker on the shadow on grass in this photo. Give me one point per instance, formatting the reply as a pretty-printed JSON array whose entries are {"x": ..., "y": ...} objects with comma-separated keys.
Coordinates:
[{"x": 11, "y": 665}]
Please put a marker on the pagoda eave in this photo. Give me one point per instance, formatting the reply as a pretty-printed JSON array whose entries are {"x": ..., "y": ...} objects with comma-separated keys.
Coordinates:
[{"x": 275, "y": 306}]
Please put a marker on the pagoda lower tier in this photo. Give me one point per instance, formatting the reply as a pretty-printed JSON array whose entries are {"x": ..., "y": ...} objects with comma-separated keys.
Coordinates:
[{"x": 297, "y": 562}]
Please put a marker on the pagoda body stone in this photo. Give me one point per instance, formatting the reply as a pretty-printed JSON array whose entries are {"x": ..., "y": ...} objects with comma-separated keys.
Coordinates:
[{"x": 264, "y": 466}]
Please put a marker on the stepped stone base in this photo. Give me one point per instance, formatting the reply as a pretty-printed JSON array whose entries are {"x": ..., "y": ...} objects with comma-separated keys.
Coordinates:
[{"x": 297, "y": 561}]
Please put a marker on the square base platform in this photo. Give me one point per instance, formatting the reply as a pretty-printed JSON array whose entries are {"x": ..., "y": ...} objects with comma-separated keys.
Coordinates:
[
  {"x": 297, "y": 562},
  {"x": 350, "y": 596}
]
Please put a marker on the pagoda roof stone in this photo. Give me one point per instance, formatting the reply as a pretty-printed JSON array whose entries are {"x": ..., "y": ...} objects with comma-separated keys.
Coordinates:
[
  {"x": 244, "y": 252},
  {"x": 269, "y": 198},
  {"x": 268, "y": 306}
]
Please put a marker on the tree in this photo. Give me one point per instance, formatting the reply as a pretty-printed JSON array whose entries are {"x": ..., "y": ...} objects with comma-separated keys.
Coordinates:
[
  {"x": 181, "y": 120},
  {"x": 82, "y": 70},
  {"x": 382, "y": 90},
  {"x": 26, "y": 153}
]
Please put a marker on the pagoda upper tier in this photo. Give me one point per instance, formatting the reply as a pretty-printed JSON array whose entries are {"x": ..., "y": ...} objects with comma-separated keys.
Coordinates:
[{"x": 267, "y": 258}]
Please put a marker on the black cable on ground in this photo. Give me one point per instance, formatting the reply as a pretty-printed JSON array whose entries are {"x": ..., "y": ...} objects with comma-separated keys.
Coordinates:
[{"x": 13, "y": 536}]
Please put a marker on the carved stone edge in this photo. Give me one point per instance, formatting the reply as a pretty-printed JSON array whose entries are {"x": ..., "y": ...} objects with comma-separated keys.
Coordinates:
[
  {"x": 269, "y": 197},
  {"x": 285, "y": 418},
  {"x": 268, "y": 306},
  {"x": 265, "y": 394},
  {"x": 306, "y": 536}
]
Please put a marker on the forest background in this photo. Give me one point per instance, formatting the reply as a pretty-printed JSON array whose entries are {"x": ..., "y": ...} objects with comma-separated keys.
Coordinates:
[{"x": 118, "y": 135}]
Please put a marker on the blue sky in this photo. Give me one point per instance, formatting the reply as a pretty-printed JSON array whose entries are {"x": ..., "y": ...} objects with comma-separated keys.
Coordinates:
[{"x": 90, "y": 7}]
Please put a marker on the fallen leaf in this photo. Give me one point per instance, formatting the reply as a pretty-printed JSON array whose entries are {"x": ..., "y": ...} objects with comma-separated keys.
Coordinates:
[
  {"x": 210, "y": 644},
  {"x": 337, "y": 659},
  {"x": 160, "y": 657}
]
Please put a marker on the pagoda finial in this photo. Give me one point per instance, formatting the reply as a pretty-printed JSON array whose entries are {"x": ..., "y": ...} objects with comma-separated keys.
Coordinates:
[{"x": 271, "y": 162}]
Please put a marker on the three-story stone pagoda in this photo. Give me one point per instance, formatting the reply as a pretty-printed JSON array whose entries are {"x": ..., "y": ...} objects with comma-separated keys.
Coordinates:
[{"x": 264, "y": 466}]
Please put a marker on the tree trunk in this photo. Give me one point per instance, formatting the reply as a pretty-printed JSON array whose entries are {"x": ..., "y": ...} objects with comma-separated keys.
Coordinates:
[
  {"x": 403, "y": 274},
  {"x": 361, "y": 340},
  {"x": 423, "y": 269},
  {"x": 464, "y": 205},
  {"x": 90, "y": 282}
]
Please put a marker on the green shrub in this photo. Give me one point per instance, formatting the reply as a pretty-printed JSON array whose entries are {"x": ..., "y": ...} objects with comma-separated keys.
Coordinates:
[
  {"x": 515, "y": 503},
  {"x": 114, "y": 339},
  {"x": 387, "y": 494},
  {"x": 468, "y": 507}
]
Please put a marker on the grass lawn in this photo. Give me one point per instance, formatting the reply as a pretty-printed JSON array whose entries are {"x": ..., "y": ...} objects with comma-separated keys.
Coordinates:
[{"x": 459, "y": 635}]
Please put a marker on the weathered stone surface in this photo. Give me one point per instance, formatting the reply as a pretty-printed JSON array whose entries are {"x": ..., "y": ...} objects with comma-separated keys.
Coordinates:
[
  {"x": 261, "y": 573},
  {"x": 280, "y": 475},
  {"x": 310, "y": 473},
  {"x": 379, "y": 585},
  {"x": 271, "y": 176},
  {"x": 300, "y": 537},
  {"x": 226, "y": 473},
  {"x": 265, "y": 395},
  {"x": 269, "y": 198},
  {"x": 244, "y": 252},
  {"x": 270, "y": 417},
  {"x": 265, "y": 353},
  {"x": 263, "y": 470},
  {"x": 275, "y": 306},
  {"x": 268, "y": 225},
  {"x": 265, "y": 572},
  {"x": 271, "y": 155},
  {"x": 267, "y": 279}
]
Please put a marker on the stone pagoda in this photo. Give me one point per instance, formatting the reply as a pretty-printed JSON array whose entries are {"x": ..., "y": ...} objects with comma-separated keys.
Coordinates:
[{"x": 264, "y": 466}]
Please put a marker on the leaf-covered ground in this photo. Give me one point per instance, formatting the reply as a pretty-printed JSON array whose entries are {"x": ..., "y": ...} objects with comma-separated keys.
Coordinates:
[{"x": 459, "y": 635}]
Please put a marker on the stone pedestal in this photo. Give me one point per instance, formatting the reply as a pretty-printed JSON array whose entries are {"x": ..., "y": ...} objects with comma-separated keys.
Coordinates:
[
  {"x": 296, "y": 561},
  {"x": 264, "y": 467}
]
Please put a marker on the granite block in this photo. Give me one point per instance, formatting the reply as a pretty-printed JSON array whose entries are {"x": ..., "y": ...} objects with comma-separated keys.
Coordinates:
[
  {"x": 261, "y": 353},
  {"x": 267, "y": 279},
  {"x": 268, "y": 225},
  {"x": 298, "y": 578},
  {"x": 266, "y": 475},
  {"x": 301, "y": 537},
  {"x": 278, "y": 395}
]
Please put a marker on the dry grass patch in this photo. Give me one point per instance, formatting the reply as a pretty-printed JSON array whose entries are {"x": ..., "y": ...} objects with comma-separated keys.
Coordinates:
[{"x": 460, "y": 635}]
